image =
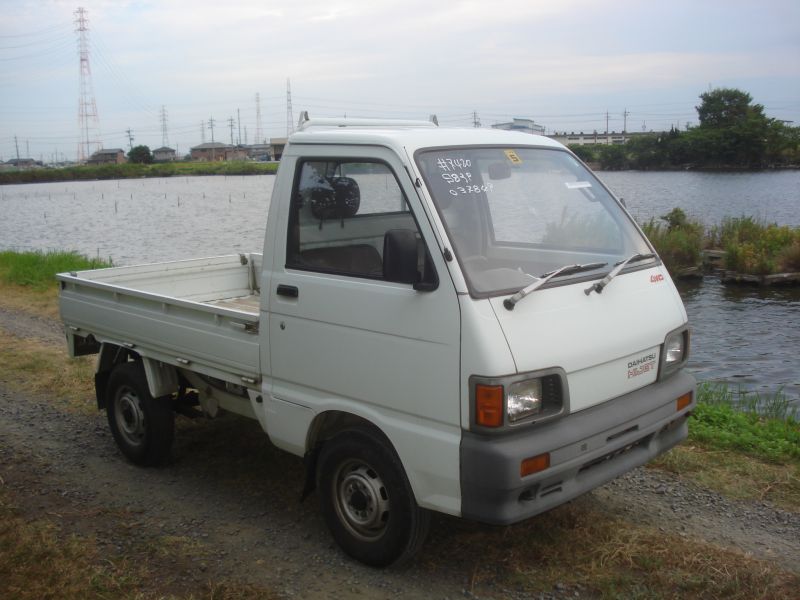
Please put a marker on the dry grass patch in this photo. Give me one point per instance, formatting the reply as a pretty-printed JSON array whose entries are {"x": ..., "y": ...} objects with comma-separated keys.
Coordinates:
[
  {"x": 736, "y": 475},
  {"x": 577, "y": 548},
  {"x": 39, "y": 560},
  {"x": 32, "y": 366},
  {"x": 38, "y": 302}
]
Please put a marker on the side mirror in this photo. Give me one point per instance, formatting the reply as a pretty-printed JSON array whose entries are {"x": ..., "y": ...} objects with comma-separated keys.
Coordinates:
[{"x": 401, "y": 260}]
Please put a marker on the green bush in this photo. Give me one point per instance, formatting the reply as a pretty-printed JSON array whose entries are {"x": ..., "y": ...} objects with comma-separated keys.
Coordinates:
[
  {"x": 757, "y": 248},
  {"x": 679, "y": 243}
]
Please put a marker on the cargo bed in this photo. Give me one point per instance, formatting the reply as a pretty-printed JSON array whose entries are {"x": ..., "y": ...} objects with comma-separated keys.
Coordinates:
[{"x": 202, "y": 313}]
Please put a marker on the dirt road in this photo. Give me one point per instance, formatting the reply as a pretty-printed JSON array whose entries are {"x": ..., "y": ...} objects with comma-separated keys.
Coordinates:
[{"x": 234, "y": 499}]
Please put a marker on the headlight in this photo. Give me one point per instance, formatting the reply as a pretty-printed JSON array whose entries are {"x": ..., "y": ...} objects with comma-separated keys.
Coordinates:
[
  {"x": 676, "y": 351},
  {"x": 524, "y": 399},
  {"x": 499, "y": 403}
]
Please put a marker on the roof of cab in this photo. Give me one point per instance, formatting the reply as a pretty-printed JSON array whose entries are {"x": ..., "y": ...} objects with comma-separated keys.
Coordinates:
[{"x": 412, "y": 136}]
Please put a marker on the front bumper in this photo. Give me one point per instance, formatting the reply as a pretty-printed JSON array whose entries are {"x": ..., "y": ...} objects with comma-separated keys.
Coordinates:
[{"x": 587, "y": 449}]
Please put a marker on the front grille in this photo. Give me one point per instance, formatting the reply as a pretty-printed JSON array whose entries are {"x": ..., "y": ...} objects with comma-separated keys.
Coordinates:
[{"x": 614, "y": 454}]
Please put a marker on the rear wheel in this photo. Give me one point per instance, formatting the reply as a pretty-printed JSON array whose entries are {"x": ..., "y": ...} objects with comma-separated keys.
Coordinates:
[
  {"x": 366, "y": 500},
  {"x": 142, "y": 426}
]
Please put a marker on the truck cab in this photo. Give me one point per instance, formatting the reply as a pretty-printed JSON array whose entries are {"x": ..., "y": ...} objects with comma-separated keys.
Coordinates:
[{"x": 462, "y": 321}]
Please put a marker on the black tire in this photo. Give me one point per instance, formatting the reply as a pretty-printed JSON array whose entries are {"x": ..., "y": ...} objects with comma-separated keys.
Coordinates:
[
  {"x": 366, "y": 499},
  {"x": 142, "y": 426}
]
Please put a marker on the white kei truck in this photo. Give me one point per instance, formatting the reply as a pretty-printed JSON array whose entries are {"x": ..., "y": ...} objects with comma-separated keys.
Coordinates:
[{"x": 455, "y": 320}]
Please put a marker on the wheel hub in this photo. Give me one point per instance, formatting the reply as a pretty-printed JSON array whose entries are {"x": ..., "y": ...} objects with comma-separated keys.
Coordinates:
[
  {"x": 130, "y": 418},
  {"x": 362, "y": 501}
]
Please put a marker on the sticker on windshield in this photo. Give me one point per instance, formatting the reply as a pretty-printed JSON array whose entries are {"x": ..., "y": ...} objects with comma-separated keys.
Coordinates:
[
  {"x": 577, "y": 185},
  {"x": 513, "y": 157}
]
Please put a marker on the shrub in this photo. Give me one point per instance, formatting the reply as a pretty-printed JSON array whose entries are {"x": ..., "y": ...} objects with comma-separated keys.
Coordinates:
[
  {"x": 679, "y": 243},
  {"x": 757, "y": 248}
]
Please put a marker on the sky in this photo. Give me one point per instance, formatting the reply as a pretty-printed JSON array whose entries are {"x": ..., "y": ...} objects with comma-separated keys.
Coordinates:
[{"x": 563, "y": 63}]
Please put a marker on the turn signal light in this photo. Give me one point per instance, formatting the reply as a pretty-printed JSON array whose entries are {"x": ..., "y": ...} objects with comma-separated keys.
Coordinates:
[
  {"x": 684, "y": 401},
  {"x": 489, "y": 405},
  {"x": 534, "y": 464}
]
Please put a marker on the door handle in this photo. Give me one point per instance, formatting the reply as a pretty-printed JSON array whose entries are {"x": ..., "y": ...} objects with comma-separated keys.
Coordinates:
[{"x": 290, "y": 291}]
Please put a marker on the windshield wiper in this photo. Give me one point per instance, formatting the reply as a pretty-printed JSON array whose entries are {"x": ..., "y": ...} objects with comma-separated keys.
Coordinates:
[
  {"x": 565, "y": 270},
  {"x": 598, "y": 287}
]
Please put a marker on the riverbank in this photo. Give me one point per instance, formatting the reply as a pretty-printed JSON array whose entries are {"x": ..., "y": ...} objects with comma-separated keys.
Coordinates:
[{"x": 136, "y": 171}]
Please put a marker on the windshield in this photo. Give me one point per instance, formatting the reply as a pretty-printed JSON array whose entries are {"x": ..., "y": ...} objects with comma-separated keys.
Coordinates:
[{"x": 516, "y": 214}]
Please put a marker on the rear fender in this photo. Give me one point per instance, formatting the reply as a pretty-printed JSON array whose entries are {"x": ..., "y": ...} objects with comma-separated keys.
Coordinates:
[{"x": 162, "y": 380}]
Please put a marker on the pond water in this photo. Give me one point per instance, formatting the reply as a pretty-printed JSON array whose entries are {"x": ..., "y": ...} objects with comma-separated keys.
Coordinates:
[{"x": 740, "y": 335}]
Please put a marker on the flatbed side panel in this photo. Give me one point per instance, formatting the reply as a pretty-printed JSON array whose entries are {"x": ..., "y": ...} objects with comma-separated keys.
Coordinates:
[
  {"x": 198, "y": 280},
  {"x": 186, "y": 335}
]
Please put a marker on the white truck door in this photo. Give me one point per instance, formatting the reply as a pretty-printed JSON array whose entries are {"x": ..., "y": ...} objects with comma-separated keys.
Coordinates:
[{"x": 345, "y": 335}]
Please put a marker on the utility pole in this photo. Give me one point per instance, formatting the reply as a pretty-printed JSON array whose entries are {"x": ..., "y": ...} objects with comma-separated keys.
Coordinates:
[
  {"x": 130, "y": 137},
  {"x": 606, "y": 127},
  {"x": 239, "y": 122},
  {"x": 289, "y": 113},
  {"x": 230, "y": 124},
  {"x": 258, "y": 120},
  {"x": 625, "y": 114},
  {"x": 16, "y": 145},
  {"x": 163, "y": 118},
  {"x": 211, "y": 127},
  {"x": 202, "y": 132},
  {"x": 28, "y": 149},
  {"x": 476, "y": 122}
]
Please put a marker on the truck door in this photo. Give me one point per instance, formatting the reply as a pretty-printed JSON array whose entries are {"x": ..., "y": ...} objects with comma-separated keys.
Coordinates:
[{"x": 346, "y": 333}]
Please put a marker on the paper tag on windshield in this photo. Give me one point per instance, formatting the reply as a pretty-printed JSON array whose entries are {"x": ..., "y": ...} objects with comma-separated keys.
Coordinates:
[
  {"x": 512, "y": 156},
  {"x": 576, "y": 185}
]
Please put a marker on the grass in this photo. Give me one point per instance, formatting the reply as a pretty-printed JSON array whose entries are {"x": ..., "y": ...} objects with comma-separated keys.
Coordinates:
[
  {"x": 38, "y": 269},
  {"x": 584, "y": 549},
  {"x": 131, "y": 170},
  {"x": 40, "y": 559},
  {"x": 765, "y": 428},
  {"x": 741, "y": 444},
  {"x": 36, "y": 367}
]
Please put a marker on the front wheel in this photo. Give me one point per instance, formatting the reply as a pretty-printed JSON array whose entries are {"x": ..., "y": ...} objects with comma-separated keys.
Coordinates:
[
  {"x": 142, "y": 426},
  {"x": 366, "y": 500}
]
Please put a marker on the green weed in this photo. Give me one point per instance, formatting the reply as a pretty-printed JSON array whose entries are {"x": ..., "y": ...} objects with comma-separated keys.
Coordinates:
[{"x": 38, "y": 269}]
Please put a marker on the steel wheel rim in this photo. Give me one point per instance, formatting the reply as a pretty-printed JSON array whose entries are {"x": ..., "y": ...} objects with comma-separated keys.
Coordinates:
[
  {"x": 129, "y": 417},
  {"x": 361, "y": 500}
]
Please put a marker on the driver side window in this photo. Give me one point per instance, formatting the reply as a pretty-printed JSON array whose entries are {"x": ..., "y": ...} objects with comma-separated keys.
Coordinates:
[{"x": 346, "y": 216}]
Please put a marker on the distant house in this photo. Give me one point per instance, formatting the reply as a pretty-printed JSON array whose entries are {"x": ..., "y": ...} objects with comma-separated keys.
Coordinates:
[
  {"x": 276, "y": 146},
  {"x": 259, "y": 151},
  {"x": 164, "y": 154},
  {"x": 109, "y": 156},
  {"x": 583, "y": 139},
  {"x": 215, "y": 151},
  {"x": 524, "y": 125},
  {"x": 22, "y": 163}
]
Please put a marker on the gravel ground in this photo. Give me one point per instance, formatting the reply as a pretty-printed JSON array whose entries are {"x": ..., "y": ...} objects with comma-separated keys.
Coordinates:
[{"x": 235, "y": 498}]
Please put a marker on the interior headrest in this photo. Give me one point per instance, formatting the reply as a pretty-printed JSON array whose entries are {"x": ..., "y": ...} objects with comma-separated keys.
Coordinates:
[{"x": 342, "y": 199}]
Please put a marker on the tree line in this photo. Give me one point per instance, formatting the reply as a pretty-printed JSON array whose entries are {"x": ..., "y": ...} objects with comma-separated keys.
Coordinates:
[{"x": 734, "y": 133}]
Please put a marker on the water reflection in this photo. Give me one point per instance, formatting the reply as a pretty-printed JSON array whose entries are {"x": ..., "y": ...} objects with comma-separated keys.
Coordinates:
[{"x": 745, "y": 335}]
